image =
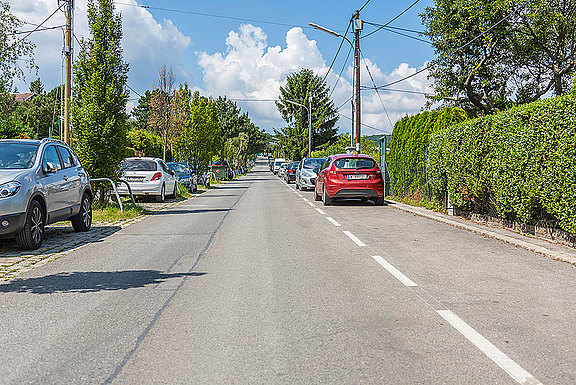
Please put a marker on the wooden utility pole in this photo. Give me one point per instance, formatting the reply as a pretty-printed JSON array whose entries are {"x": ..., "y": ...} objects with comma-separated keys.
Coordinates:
[
  {"x": 358, "y": 24},
  {"x": 68, "y": 70},
  {"x": 309, "y": 125}
]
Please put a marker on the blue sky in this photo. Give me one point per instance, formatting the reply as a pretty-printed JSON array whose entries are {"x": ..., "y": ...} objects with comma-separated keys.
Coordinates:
[{"x": 247, "y": 48}]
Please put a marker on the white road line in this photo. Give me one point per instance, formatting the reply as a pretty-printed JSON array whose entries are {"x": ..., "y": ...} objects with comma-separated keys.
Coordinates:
[
  {"x": 321, "y": 212},
  {"x": 354, "y": 238},
  {"x": 506, "y": 363},
  {"x": 333, "y": 221},
  {"x": 311, "y": 204},
  {"x": 394, "y": 271},
  {"x": 300, "y": 195},
  {"x": 304, "y": 199}
]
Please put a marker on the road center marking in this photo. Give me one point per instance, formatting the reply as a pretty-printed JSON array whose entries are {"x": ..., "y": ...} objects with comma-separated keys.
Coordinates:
[
  {"x": 394, "y": 271},
  {"x": 500, "y": 358},
  {"x": 321, "y": 212},
  {"x": 354, "y": 238},
  {"x": 333, "y": 221}
]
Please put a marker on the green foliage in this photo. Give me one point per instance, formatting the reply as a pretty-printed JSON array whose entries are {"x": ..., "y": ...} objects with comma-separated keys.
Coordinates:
[
  {"x": 338, "y": 146},
  {"x": 12, "y": 48},
  {"x": 141, "y": 113},
  {"x": 519, "y": 164},
  {"x": 307, "y": 89},
  {"x": 409, "y": 143},
  {"x": 145, "y": 141},
  {"x": 495, "y": 54},
  {"x": 98, "y": 110}
]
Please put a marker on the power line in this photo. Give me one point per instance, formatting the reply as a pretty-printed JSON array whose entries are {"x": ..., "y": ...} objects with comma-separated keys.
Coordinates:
[
  {"x": 212, "y": 15},
  {"x": 391, "y": 21},
  {"x": 340, "y": 73},
  {"x": 406, "y": 35},
  {"x": 38, "y": 30},
  {"x": 365, "y": 4},
  {"x": 338, "y": 51},
  {"x": 365, "y": 125},
  {"x": 377, "y": 93},
  {"x": 40, "y": 25}
]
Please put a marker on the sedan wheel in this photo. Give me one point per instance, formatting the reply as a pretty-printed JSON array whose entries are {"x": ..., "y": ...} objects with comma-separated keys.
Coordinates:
[
  {"x": 325, "y": 198},
  {"x": 162, "y": 196}
]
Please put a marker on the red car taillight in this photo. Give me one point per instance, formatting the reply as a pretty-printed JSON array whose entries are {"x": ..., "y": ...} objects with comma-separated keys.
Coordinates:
[{"x": 156, "y": 176}]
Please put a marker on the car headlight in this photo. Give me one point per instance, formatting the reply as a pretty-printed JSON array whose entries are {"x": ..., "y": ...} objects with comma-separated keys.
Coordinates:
[{"x": 9, "y": 189}]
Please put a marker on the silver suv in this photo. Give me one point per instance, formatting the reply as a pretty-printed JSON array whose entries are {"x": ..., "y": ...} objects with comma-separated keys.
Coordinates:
[{"x": 41, "y": 182}]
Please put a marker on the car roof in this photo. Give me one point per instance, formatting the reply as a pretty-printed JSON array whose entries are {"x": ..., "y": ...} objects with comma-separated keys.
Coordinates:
[
  {"x": 28, "y": 141},
  {"x": 340, "y": 156},
  {"x": 142, "y": 158}
]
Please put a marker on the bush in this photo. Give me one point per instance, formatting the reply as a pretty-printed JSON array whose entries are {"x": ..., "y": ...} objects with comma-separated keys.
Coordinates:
[
  {"x": 409, "y": 143},
  {"x": 519, "y": 164}
]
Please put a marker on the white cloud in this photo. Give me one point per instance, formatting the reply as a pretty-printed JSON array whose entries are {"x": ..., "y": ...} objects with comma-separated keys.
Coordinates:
[
  {"x": 147, "y": 43},
  {"x": 250, "y": 69}
]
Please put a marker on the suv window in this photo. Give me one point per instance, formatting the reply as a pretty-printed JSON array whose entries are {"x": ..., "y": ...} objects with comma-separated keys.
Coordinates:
[
  {"x": 50, "y": 155},
  {"x": 67, "y": 158}
]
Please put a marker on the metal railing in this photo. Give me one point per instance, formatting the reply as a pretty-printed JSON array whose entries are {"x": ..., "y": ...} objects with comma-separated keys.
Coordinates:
[{"x": 116, "y": 190}]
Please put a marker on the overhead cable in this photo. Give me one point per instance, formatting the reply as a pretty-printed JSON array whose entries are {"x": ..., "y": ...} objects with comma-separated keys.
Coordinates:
[{"x": 391, "y": 21}]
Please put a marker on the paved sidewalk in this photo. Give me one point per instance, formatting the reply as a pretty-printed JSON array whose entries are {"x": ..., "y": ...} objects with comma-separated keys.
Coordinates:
[
  {"x": 61, "y": 240},
  {"x": 550, "y": 249}
]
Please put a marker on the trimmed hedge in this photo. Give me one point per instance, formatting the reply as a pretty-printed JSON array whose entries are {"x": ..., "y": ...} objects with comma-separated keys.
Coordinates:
[
  {"x": 410, "y": 139},
  {"x": 519, "y": 164}
]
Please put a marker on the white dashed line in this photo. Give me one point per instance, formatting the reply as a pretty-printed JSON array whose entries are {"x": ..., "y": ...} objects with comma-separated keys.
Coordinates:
[
  {"x": 321, "y": 212},
  {"x": 500, "y": 358},
  {"x": 334, "y": 222},
  {"x": 300, "y": 195},
  {"x": 311, "y": 204},
  {"x": 354, "y": 238},
  {"x": 394, "y": 271},
  {"x": 304, "y": 199}
]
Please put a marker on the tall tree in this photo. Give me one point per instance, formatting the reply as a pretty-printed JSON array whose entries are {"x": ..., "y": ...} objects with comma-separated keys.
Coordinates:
[
  {"x": 161, "y": 107},
  {"x": 98, "y": 111},
  {"x": 13, "y": 47},
  {"x": 141, "y": 113},
  {"x": 304, "y": 87}
]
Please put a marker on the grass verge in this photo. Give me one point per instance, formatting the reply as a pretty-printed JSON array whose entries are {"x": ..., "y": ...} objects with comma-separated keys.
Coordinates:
[{"x": 111, "y": 212}]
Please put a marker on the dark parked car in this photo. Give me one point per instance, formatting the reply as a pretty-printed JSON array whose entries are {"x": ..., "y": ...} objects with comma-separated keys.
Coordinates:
[
  {"x": 186, "y": 175},
  {"x": 349, "y": 176},
  {"x": 290, "y": 173}
]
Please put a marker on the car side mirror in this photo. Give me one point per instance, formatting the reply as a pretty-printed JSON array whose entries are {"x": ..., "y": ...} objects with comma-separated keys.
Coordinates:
[
  {"x": 316, "y": 170},
  {"x": 50, "y": 168}
]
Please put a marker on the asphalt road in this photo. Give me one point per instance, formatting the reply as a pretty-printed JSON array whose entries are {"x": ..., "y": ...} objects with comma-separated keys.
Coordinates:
[{"x": 253, "y": 283}]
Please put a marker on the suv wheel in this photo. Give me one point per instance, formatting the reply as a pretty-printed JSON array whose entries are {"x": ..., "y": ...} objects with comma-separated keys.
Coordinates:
[
  {"x": 160, "y": 198},
  {"x": 379, "y": 201},
  {"x": 83, "y": 220},
  {"x": 325, "y": 198},
  {"x": 32, "y": 235}
]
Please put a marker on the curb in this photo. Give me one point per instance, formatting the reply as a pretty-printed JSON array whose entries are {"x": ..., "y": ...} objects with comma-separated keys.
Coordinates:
[{"x": 557, "y": 256}]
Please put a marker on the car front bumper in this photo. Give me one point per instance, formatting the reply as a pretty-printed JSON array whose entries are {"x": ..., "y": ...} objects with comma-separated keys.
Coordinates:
[{"x": 15, "y": 223}]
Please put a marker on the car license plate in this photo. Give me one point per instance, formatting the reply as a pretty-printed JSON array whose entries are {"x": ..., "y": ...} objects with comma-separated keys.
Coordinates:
[
  {"x": 133, "y": 179},
  {"x": 357, "y": 176}
]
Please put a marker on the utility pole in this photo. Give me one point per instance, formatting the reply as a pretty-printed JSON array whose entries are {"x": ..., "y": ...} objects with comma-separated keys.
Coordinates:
[
  {"x": 358, "y": 24},
  {"x": 68, "y": 70}
]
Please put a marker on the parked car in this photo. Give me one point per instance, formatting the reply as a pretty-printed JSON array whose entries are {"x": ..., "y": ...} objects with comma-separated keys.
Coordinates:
[
  {"x": 41, "y": 182},
  {"x": 349, "y": 176},
  {"x": 147, "y": 177},
  {"x": 290, "y": 173},
  {"x": 282, "y": 169},
  {"x": 277, "y": 163},
  {"x": 185, "y": 174},
  {"x": 229, "y": 172},
  {"x": 307, "y": 171}
]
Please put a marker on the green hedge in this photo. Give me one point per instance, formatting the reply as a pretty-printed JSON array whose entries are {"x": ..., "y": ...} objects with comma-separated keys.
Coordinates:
[
  {"x": 410, "y": 139},
  {"x": 519, "y": 164}
]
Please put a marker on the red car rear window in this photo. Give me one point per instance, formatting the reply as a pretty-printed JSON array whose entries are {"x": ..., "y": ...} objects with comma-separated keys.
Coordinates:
[{"x": 354, "y": 163}]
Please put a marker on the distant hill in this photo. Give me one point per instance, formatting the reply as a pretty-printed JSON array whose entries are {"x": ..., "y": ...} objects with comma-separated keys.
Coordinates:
[{"x": 375, "y": 138}]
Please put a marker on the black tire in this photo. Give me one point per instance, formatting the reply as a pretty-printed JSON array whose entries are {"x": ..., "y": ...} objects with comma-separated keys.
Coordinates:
[
  {"x": 175, "y": 192},
  {"x": 32, "y": 235},
  {"x": 83, "y": 220},
  {"x": 297, "y": 185},
  {"x": 160, "y": 198},
  {"x": 325, "y": 198},
  {"x": 195, "y": 188},
  {"x": 379, "y": 201},
  {"x": 317, "y": 197}
]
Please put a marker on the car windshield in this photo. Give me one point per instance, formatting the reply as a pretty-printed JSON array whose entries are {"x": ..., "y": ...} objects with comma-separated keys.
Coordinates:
[
  {"x": 294, "y": 165},
  {"x": 178, "y": 167},
  {"x": 17, "y": 155},
  {"x": 139, "y": 165},
  {"x": 354, "y": 163},
  {"x": 313, "y": 163},
  {"x": 277, "y": 163}
]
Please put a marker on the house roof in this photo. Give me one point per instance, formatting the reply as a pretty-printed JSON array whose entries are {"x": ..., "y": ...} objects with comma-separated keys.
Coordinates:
[{"x": 20, "y": 97}]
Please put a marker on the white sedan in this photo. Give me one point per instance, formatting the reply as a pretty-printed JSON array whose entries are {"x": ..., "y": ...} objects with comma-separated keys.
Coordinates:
[{"x": 147, "y": 177}]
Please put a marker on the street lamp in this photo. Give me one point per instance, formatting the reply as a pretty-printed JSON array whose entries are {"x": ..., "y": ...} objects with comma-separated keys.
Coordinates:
[{"x": 309, "y": 109}]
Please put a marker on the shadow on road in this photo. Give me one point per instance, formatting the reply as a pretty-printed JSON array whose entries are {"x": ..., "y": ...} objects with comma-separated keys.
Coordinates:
[
  {"x": 90, "y": 281},
  {"x": 195, "y": 211}
]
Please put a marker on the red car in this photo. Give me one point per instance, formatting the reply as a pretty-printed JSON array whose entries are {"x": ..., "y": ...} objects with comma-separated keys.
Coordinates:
[{"x": 349, "y": 176}]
